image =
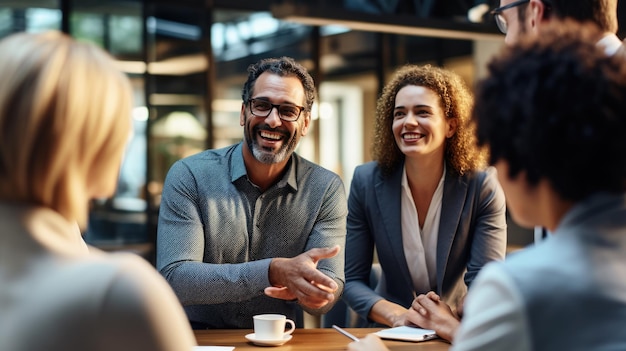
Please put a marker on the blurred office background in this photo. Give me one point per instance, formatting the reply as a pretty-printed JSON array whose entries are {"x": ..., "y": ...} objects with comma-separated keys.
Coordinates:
[{"x": 187, "y": 60}]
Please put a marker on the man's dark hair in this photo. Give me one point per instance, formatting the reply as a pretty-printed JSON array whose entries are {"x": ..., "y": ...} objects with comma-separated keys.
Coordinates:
[
  {"x": 283, "y": 66},
  {"x": 553, "y": 108},
  {"x": 601, "y": 12}
]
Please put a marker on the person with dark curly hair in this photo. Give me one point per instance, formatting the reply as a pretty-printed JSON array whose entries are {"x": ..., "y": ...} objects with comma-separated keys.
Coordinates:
[
  {"x": 427, "y": 204},
  {"x": 552, "y": 113}
]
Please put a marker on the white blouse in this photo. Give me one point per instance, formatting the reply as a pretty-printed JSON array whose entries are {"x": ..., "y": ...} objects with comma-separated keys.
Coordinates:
[{"x": 420, "y": 244}]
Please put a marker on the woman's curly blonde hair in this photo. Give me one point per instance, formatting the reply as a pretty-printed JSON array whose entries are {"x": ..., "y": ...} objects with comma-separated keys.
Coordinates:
[{"x": 461, "y": 150}]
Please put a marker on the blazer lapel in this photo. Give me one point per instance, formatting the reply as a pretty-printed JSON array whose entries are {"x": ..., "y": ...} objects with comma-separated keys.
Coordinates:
[
  {"x": 454, "y": 194},
  {"x": 388, "y": 192}
]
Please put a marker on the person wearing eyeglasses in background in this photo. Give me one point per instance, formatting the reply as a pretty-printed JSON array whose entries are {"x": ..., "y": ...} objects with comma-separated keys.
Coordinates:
[
  {"x": 551, "y": 112},
  {"x": 525, "y": 17},
  {"x": 522, "y": 17},
  {"x": 254, "y": 228}
]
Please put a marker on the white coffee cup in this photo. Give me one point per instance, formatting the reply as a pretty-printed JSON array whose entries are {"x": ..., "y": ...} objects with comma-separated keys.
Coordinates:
[{"x": 272, "y": 326}]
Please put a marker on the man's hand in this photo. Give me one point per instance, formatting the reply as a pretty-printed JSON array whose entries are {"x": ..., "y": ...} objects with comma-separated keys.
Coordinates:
[
  {"x": 429, "y": 312},
  {"x": 298, "y": 278}
]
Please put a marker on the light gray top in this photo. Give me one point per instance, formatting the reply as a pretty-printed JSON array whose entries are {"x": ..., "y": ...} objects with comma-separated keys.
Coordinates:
[
  {"x": 565, "y": 293},
  {"x": 56, "y": 294}
]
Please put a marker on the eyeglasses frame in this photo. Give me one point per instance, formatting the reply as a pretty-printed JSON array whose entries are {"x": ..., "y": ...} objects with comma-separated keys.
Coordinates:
[
  {"x": 497, "y": 12},
  {"x": 277, "y": 106}
]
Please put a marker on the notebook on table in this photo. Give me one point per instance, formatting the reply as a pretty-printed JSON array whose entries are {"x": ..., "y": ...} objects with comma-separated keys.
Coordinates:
[{"x": 406, "y": 333}]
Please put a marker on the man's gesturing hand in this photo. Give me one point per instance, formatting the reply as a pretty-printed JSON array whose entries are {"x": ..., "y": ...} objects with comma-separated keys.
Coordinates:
[{"x": 298, "y": 278}]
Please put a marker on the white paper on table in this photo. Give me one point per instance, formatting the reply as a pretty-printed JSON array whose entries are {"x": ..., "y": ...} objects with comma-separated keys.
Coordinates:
[
  {"x": 407, "y": 333},
  {"x": 213, "y": 348}
]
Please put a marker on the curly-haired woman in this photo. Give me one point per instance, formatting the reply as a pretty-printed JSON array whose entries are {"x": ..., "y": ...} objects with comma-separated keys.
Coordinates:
[{"x": 428, "y": 205}]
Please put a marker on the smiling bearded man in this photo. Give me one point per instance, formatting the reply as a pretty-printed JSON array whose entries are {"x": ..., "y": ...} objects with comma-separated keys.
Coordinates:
[{"x": 254, "y": 228}]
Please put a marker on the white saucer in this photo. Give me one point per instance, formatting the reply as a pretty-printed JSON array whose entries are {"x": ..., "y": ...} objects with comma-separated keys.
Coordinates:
[{"x": 265, "y": 342}]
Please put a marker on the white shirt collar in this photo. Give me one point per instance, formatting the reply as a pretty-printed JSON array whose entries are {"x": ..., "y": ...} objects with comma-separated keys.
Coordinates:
[{"x": 611, "y": 43}]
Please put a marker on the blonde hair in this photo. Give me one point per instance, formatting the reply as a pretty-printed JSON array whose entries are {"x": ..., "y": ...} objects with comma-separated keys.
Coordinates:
[{"x": 64, "y": 119}]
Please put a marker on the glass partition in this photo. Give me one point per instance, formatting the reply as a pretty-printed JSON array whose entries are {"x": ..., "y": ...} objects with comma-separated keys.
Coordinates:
[
  {"x": 119, "y": 222},
  {"x": 29, "y": 16}
]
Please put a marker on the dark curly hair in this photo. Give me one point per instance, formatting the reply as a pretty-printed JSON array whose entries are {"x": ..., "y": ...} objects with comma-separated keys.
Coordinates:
[
  {"x": 283, "y": 66},
  {"x": 461, "y": 150},
  {"x": 553, "y": 107}
]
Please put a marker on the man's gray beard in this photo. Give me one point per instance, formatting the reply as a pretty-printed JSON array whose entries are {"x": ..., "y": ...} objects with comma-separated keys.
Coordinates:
[{"x": 268, "y": 157}]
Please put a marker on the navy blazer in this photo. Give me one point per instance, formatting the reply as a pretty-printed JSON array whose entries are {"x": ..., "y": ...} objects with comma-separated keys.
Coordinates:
[{"x": 472, "y": 232}]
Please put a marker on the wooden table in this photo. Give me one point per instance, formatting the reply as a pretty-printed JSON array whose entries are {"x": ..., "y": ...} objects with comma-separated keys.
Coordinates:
[{"x": 316, "y": 339}]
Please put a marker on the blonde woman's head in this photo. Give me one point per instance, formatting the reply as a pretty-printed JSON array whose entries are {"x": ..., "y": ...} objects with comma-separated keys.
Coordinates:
[{"x": 64, "y": 122}]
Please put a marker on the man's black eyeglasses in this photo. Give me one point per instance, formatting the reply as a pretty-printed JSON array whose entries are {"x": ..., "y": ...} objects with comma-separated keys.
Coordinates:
[
  {"x": 497, "y": 14},
  {"x": 286, "y": 112}
]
